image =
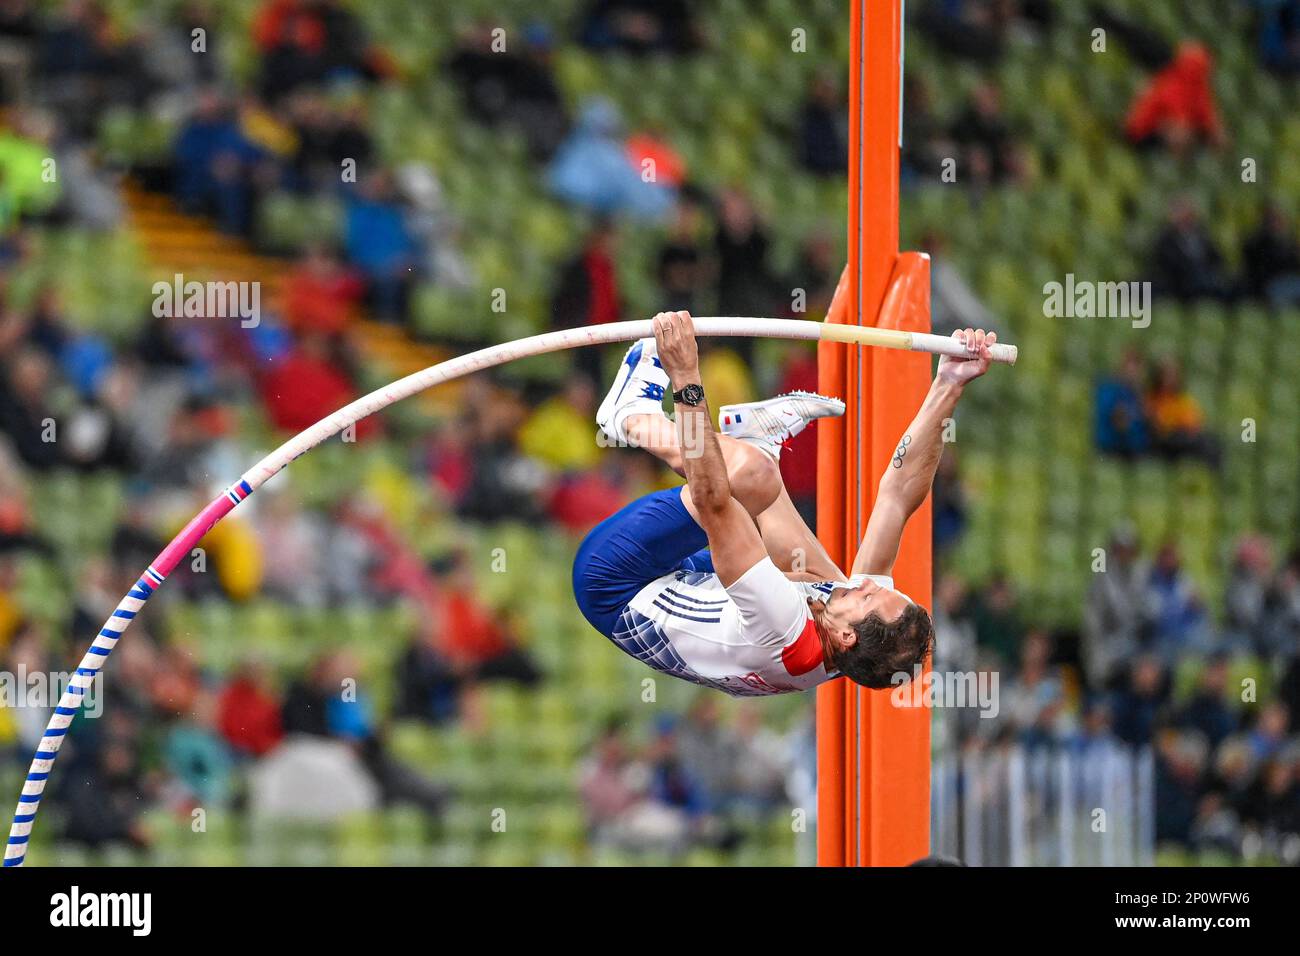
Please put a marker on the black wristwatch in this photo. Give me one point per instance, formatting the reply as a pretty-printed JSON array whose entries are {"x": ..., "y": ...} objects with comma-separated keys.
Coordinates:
[{"x": 689, "y": 395}]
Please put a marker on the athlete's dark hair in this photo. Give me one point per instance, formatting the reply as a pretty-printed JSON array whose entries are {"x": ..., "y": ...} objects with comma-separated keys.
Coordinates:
[{"x": 886, "y": 648}]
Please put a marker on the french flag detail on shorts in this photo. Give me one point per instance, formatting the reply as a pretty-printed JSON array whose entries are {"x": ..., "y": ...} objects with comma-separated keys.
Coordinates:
[{"x": 730, "y": 419}]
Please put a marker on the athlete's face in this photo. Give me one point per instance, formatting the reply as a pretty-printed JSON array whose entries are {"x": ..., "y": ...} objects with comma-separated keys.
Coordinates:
[{"x": 847, "y": 606}]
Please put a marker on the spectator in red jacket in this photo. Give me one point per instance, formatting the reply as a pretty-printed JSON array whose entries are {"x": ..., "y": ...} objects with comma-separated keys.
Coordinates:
[
  {"x": 475, "y": 640},
  {"x": 587, "y": 292},
  {"x": 307, "y": 384},
  {"x": 248, "y": 712},
  {"x": 321, "y": 293},
  {"x": 1177, "y": 108}
]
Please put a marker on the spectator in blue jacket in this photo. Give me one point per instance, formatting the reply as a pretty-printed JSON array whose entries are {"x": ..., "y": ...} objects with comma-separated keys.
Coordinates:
[
  {"x": 379, "y": 243},
  {"x": 592, "y": 169},
  {"x": 214, "y": 165},
  {"x": 1121, "y": 425}
]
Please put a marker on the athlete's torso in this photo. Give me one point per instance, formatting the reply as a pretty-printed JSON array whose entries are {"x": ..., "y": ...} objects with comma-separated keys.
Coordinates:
[{"x": 758, "y": 639}]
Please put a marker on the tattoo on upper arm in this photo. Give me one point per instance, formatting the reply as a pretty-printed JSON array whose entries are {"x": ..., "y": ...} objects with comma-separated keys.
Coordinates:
[{"x": 901, "y": 451}]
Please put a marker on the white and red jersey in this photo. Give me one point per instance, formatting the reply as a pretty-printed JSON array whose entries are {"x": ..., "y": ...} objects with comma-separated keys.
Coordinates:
[{"x": 754, "y": 638}]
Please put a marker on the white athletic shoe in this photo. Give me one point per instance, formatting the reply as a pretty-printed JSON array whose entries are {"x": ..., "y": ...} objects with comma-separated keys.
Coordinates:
[
  {"x": 638, "y": 389},
  {"x": 769, "y": 423}
]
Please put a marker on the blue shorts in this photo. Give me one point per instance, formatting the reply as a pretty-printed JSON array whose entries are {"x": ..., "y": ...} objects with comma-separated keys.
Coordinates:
[{"x": 651, "y": 537}]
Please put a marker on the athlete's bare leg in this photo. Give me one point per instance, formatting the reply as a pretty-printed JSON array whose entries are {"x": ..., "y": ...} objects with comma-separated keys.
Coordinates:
[
  {"x": 791, "y": 544},
  {"x": 756, "y": 483}
]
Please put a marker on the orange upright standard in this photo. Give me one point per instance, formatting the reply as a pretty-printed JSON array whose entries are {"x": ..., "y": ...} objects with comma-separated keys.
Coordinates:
[{"x": 873, "y": 759}]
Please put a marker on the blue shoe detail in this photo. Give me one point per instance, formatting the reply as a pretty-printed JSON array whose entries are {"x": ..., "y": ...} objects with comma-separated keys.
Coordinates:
[
  {"x": 631, "y": 360},
  {"x": 653, "y": 391}
]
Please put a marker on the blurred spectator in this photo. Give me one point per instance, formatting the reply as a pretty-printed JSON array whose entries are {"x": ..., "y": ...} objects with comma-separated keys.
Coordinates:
[
  {"x": 989, "y": 153},
  {"x": 198, "y": 758},
  {"x": 1186, "y": 264},
  {"x": 673, "y": 785},
  {"x": 996, "y": 615},
  {"x": 559, "y": 431},
  {"x": 1281, "y": 631},
  {"x": 709, "y": 753},
  {"x": 214, "y": 164},
  {"x": 308, "y": 383},
  {"x": 638, "y": 26},
  {"x": 309, "y": 41},
  {"x": 745, "y": 281},
  {"x": 587, "y": 291},
  {"x": 1180, "y": 765},
  {"x": 24, "y": 146},
  {"x": 681, "y": 269},
  {"x": 320, "y": 294},
  {"x": 817, "y": 274},
  {"x": 329, "y": 702},
  {"x": 1138, "y": 704},
  {"x": 1206, "y": 711},
  {"x": 379, "y": 243},
  {"x": 428, "y": 683},
  {"x": 971, "y": 29},
  {"x": 1034, "y": 702},
  {"x": 653, "y": 155},
  {"x": 1270, "y": 258},
  {"x": 1268, "y": 736},
  {"x": 1279, "y": 35},
  {"x": 168, "y": 48},
  {"x": 620, "y": 811},
  {"x": 1178, "y": 621},
  {"x": 592, "y": 169},
  {"x": 325, "y": 136},
  {"x": 1121, "y": 426},
  {"x": 1247, "y": 591},
  {"x": 503, "y": 87},
  {"x": 762, "y": 766},
  {"x": 434, "y": 228},
  {"x": 26, "y": 415},
  {"x": 503, "y": 483},
  {"x": 297, "y": 538},
  {"x": 955, "y": 637},
  {"x": 1177, "y": 422},
  {"x": 81, "y": 51},
  {"x": 103, "y": 789},
  {"x": 1234, "y": 771},
  {"x": 478, "y": 642},
  {"x": 948, "y": 505},
  {"x": 1095, "y": 739},
  {"x": 248, "y": 712},
  {"x": 727, "y": 374},
  {"x": 582, "y": 500},
  {"x": 1277, "y": 804},
  {"x": 823, "y": 136},
  {"x": 1177, "y": 108}
]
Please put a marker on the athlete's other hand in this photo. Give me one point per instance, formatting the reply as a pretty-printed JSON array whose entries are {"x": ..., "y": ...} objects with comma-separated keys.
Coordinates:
[
  {"x": 959, "y": 371},
  {"x": 675, "y": 336}
]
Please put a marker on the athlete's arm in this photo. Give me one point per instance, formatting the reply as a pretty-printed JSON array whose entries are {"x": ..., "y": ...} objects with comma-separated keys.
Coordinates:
[
  {"x": 734, "y": 542},
  {"x": 909, "y": 475}
]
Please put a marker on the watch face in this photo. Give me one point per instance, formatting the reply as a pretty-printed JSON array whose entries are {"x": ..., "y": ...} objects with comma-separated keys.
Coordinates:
[{"x": 692, "y": 394}]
